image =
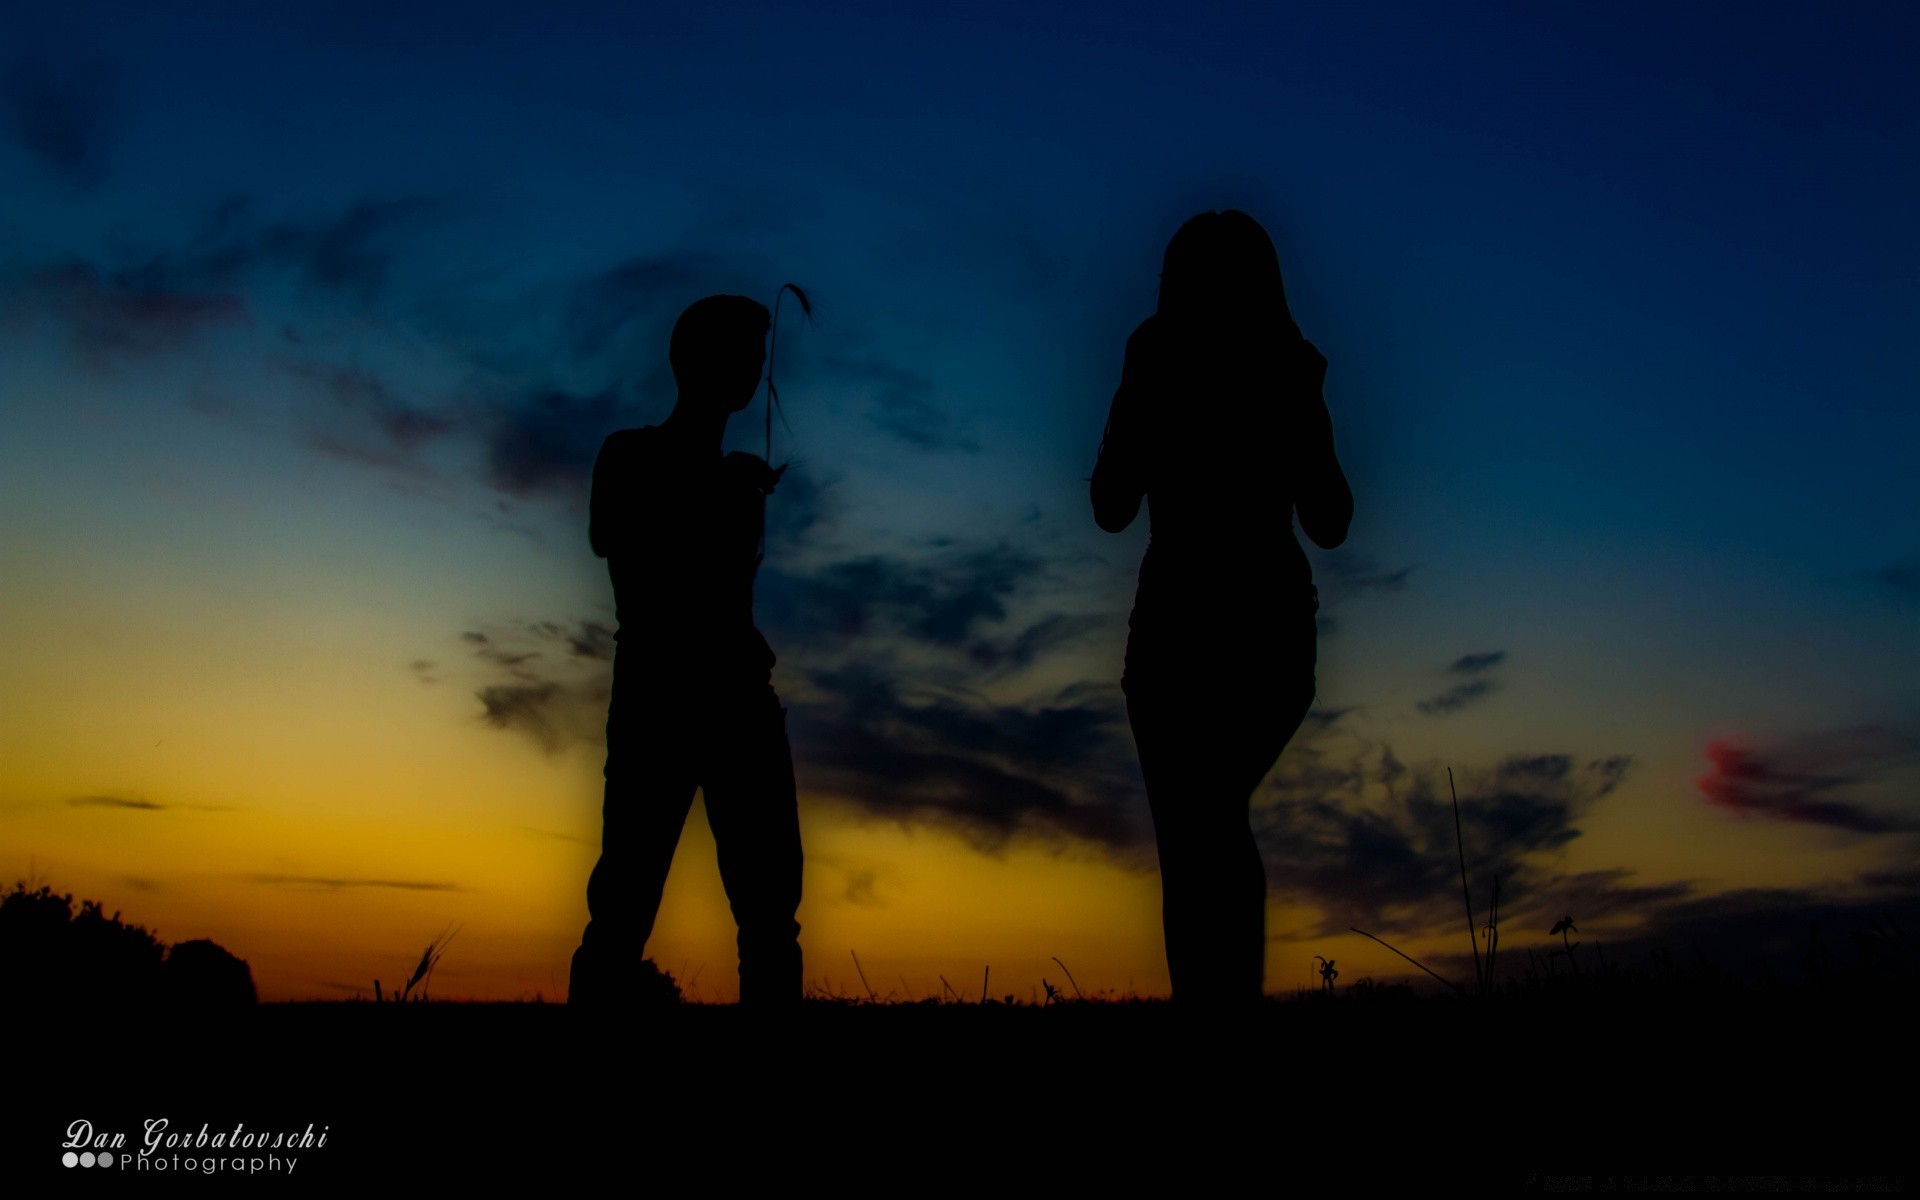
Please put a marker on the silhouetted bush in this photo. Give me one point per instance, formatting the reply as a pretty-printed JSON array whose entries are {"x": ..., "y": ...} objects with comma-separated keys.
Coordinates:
[
  {"x": 52, "y": 954},
  {"x": 203, "y": 974}
]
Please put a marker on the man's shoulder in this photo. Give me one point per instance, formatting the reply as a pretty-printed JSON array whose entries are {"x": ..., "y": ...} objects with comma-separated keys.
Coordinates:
[
  {"x": 627, "y": 445},
  {"x": 630, "y": 439}
]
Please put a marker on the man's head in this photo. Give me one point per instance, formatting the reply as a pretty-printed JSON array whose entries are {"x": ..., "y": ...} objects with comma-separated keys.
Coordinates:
[{"x": 719, "y": 350}]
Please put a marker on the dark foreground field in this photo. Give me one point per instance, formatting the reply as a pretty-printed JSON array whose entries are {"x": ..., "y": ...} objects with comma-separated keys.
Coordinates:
[{"x": 1621, "y": 1089}]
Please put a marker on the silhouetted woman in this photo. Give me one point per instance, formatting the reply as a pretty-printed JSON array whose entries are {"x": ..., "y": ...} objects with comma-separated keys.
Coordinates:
[{"x": 1220, "y": 425}]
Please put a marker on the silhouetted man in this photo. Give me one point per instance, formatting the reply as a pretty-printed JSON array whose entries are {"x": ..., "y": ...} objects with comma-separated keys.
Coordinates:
[{"x": 693, "y": 701}]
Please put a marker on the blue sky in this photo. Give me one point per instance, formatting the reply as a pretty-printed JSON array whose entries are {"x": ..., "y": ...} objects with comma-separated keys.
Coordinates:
[{"x": 312, "y": 322}]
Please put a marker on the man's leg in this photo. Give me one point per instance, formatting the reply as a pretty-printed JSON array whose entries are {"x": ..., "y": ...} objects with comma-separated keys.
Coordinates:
[
  {"x": 650, "y": 782},
  {"x": 754, "y": 811}
]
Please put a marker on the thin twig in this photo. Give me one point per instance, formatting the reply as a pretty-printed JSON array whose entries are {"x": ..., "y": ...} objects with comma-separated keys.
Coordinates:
[
  {"x": 1410, "y": 958},
  {"x": 1076, "y": 987},
  {"x": 863, "y": 979},
  {"x": 1473, "y": 934},
  {"x": 773, "y": 345}
]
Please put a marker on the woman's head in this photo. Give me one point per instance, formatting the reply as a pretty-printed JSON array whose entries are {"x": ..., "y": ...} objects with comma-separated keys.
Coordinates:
[{"x": 1222, "y": 265}]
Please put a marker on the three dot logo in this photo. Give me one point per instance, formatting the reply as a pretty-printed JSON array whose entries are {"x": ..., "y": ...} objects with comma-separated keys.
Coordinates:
[{"x": 87, "y": 1159}]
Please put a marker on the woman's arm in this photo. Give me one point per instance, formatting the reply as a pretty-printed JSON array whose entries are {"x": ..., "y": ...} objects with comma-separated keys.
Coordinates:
[
  {"x": 1119, "y": 474},
  {"x": 1322, "y": 496}
]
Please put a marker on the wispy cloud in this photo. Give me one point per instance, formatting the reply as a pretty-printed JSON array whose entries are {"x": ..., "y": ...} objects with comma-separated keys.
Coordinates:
[
  {"x": 1477, "y": 686},
  {"x": 111, "y": 318},
  {"x": 1345, "y": 576},
  {"x": 544, "y": 443},
  {"x": 900, "y": 402},
  {"x": 133, "y": 802},
  {"x": 140, "y": 804},
  {"x": 349, "y": 252},
  {"x": 647, "y": 291},
  {"x": 1797, "y": 779},
  {"x": 58, "y": 113},
  {"x": 365, "y": 420},
  {"x": 333, "y": 883},
  {"x": 1477, "y": 664},
  {"x": 1057, "y": 767},
  {"x": 550, "y": 681},
  {"x": 1900, "y": 580},
  {"x": 953, "y": 597},
  {"x": 1365, "y": 838}
]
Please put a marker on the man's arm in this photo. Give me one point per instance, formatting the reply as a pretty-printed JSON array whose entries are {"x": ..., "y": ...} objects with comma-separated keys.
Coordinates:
[
  {"x": 627, "y": 482},
  {"x": 604, "y": 500}
]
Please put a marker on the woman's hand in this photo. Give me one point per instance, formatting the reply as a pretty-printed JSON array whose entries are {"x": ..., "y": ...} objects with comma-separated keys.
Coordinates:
[{"x": 1322, "y": 495}]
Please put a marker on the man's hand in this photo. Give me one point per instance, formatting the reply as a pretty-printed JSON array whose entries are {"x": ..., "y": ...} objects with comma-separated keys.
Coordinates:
[{"x": 753, "y": 471}]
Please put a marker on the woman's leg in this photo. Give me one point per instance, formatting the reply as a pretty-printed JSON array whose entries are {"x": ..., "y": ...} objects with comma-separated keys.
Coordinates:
[{"x": 1202, "y": 755}]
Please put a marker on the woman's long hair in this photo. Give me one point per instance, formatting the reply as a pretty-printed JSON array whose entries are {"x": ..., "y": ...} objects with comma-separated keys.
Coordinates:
[{"x": 1221, "y": 271}]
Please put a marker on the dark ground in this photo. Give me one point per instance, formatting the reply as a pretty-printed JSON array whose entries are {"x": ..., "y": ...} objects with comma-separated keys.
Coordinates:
[{"x": 1518, "y": 1093}]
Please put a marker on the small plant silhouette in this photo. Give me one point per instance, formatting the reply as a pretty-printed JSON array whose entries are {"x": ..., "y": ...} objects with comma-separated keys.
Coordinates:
[
  {"x": 423, "y": 974},
  {"x": 1564, "y": 927}
]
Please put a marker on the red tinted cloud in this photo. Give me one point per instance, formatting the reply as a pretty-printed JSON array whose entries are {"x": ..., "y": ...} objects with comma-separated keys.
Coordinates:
[{"x": 1792, "y": 781}]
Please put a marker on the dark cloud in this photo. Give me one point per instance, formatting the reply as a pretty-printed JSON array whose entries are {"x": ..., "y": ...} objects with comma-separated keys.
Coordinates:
[
  {"x": 525, "y": 707},
  {"x": 59, "y": 114},
  {"x": 545, "y": 444},
  {"x": 650, "y": 289},
  {"x": 1327, "y": 718},
  {"x": 111, "y": 318},
  {"x": 368, "y": 422},
  {"x": 1369, "y": 840},
  {"x": 901, "y": 403},
  {"x": 591, "y": 640},
  {"x": 1059, "y": 767},
  {"x": 860, "y": 889},
  {"x": 1475, "y": 664},
  {"x": 800, "y": 505},
  {"x": 945, "y": 599},
  {"x": 133, "y": 802},
  {"x": 550, "y": 681},
  {"x": 1901, "y": 580},
  {"x": 157, "y": 304},
  {"x": 1478, "y": 687},
  {"x": 1797, "y": 779},
  {"x": 350, "y": 253},
  {"x": 1748, "y": 933},
  {"x": 1343, "y": 576},
  {"x": 1457, "y": 697},
  {"x": 338, "y": 883},
  {"x": 576, "y": 839},
  {"x": 1899, "y": 879},
  {"x": 140, "y": 804},
  {"x": 1042, "y": 637},
  {"x": 353, "y": 252},
  {"x": 512, "y": 661}
]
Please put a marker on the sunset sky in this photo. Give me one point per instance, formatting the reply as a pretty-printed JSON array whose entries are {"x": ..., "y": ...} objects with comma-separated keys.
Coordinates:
[{"x": 312, "y": 320}]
